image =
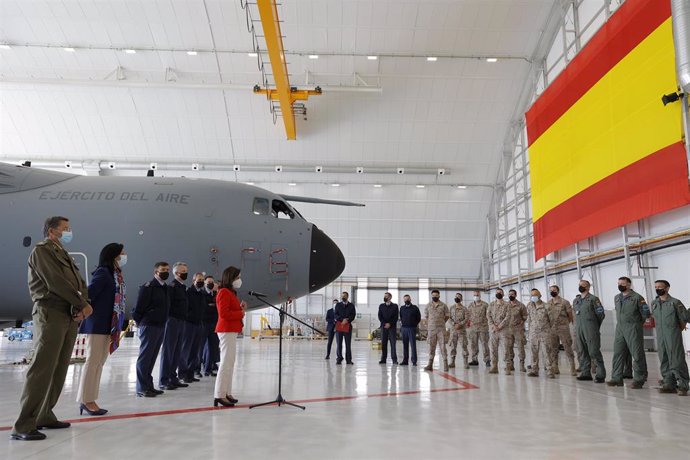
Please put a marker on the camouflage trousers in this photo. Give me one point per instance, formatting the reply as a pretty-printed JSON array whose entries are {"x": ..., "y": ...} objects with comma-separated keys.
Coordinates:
[
  {"x": 474, "y": 337},
  {"x": 455, "y": 337},
  {"x": 562, "y": 335},
  {"x": 437, "y": 337},
  {"x": 505, "y": 336},
  {"x": 544, "y": 341},
  {"x": 519, "y": 341}
]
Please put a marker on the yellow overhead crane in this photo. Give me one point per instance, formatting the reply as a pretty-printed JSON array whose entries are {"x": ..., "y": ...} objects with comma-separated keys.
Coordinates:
[{"x": 283, "y": 92}]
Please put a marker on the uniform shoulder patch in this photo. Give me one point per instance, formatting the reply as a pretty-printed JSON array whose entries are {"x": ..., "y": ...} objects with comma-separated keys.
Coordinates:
[
  {"x": 597, "y": 302},
  {"x": 148, "y": 284}
]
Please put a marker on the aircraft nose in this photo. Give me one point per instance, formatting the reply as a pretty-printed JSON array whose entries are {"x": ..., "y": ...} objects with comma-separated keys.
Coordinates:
[{"x": 326, "y": 261}]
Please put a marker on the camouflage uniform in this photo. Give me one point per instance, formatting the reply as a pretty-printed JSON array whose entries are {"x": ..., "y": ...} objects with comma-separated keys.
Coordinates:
[
  {"x": 478, "y": 329},
  {"x": 499, "y": 319},
  {"x": 561, "y": 314},
  {"x": 517, "y": 331},
  {"x": 458, "y": 322},
  {"x": 540, "y": 334},
  {"x": 436, "y": 317}
]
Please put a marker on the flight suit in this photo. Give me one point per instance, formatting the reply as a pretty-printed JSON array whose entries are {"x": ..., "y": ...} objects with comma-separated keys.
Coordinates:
[
  {"x": 589, "y": 314},
  {"x": 173, "y": 335},
  {"x": 517, "y": 331},
  {"x": 540, "y": 330},
  {"x": 193, "y": 334},
  {"x": 58, "y": 291},
  {"x": 458, "y": 333},
  {"x": 670, "y": 317},
  {"x": 499, "y": 317},
  {"x": 631, "y": 312},
  {"x": 150, "y": 313},
  {"x": 436, "y": 316},
  {"x": 560, "y": 313},
  {"x": 478, "y": 329}
]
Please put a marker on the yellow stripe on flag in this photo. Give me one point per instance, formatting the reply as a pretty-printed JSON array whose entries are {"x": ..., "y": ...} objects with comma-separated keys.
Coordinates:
[{"x": 619, "y": 121}]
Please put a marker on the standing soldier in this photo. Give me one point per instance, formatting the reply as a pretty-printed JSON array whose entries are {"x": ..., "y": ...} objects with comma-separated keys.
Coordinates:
[
  {"x": 589, "y": 314},
  {"x": 498, "y": 316},
  {"x": 478, "y": 329},
  {"x": 539, "y": 334},
  {"x": 561, "y": 314},
  {"x": 458, "y": 322},
  {"x": 518, "y": 316},
  {"x": 631, "y": 313},
  {"x": 436, "y": 314},
  {"x": 670, "y": 316}
]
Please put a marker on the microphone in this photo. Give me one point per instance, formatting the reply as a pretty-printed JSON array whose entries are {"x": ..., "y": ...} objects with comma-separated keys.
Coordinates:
[{"x": 256, "y": 294}]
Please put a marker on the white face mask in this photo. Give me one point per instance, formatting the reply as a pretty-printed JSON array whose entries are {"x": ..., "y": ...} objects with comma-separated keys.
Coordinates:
[
  {"x": 476, "y": 298},
  {"x": 237, "y": 283},
  {"x": 123, "y": 260},
  {"x": 534, "y": 299}
]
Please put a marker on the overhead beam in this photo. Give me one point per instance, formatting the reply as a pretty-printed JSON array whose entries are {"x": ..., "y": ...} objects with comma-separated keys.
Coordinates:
[{"x": 268, "y": 12}]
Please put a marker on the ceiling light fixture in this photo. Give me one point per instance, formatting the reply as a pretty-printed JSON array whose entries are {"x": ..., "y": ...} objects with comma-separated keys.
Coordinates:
[
  {"x": 192, "y": 53},
  {"x": 372, "y": 58},
  {"x": 378, "y": 185},
  {"x": 252, "y": 54},
  {"x": 130, "y": 51},
  {"x": 432, "y": 58},
  {"x": 4, "y": 47},
  {"x": 292, "y": 184},
  {"x": 69, "y": 50},
  {"x": 335, "y": 185},
  {"x": 313, "y": 56},
  {"x": 491, "y": 60},
  {"x": 420, "y": 186},
  {"x": 462, "y": 187}
]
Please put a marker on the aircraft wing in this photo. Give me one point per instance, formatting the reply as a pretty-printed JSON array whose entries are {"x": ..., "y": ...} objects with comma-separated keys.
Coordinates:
[{"x": 306, "y": 199}]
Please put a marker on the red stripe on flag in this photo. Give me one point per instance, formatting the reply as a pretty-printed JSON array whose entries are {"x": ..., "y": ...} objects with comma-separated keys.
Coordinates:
[
  {"x": 626, "y": 29},
  {"x": 654, "y": 184}
]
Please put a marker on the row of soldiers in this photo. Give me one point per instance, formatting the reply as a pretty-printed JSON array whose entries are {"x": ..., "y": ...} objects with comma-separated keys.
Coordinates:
[{"x": 576, "y": 327}]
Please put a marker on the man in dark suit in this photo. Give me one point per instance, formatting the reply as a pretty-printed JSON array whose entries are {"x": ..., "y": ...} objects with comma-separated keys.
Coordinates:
[
  {"x": 330, "y": 327},
  {"x": 410, "y": 316},
  {"x": 345, "y": 312},
  {"x": 388, "y": 315}
]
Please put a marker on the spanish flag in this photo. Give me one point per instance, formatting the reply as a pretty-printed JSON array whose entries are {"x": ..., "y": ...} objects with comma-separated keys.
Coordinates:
[{"x": 603, "y": 149}]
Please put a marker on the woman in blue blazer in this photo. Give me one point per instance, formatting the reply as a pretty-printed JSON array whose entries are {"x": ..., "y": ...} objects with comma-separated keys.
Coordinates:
[{"x": 107, "y": 294}]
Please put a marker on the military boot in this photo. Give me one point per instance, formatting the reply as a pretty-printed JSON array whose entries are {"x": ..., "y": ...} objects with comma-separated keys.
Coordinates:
[
  {"x": 573, "y": 372},
  {"x": 494, "y": 369},
  {"x": 451, "y": 363},
  {"x": 445, "y": 365},
  {"x": 508, "y": 369},
  {"x": 522, "y": 366},
  {"x": 510, "y": 366},
  {"x": 430, "y": 366},
  {"x": 466, "y": 362}
]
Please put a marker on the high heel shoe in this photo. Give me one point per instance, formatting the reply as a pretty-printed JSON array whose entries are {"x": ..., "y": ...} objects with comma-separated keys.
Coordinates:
[
  {"x": 82, "y": 408},
  {"x": 222, "y": 402},
  {"x": 232, "y": 400}
]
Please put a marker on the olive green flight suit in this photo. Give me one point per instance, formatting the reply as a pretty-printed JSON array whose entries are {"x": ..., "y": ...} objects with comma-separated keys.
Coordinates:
[
  {"x": 670, "y": 317},
  {"x": 631, "y": 312},
  {"x": 589, "y": 314}
]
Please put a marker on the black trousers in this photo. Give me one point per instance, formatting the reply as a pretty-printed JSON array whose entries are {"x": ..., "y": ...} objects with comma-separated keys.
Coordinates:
[
  {"x": 348, "y": 345},
  {"x": 331, "y": 336}
]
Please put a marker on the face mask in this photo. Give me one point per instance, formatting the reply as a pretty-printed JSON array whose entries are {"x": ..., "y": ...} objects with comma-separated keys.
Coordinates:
[
  {"x": 164, "y": 275},
  {"x": 435, "y": 299},
  {"x": 458, "y": 300},
  {"x": 511, "y": 297},
  {"x": 386, "y": 299},
  {"x": 622, "y": 288},
  {"x": 344, "y": 299},
  {"x": 66, "y": 237},
  {"x": 183, "y": 276},
  {"x": 582, "y": 289},
  {"x": 199, "y": 284},
  {"x": 407, "y": 302},
  {"x": 476, "y": 298},
  {"x": 660, "y": 291},
  {"x": 237, "y": 283},
  {"x": 499, "y": 296},
  {"x": 534, "y": 299},
  {"x": 123, "y": 260},
  {"x": 554, "y": 294},
  {"x": 209, "y": 286}
]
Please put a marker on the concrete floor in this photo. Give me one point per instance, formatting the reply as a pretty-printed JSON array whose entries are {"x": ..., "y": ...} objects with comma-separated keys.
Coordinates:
[{"x": 365, "y": 411}]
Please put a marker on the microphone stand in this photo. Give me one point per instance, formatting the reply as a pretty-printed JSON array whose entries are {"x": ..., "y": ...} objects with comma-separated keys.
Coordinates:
[{"x": 279, "y": 399}]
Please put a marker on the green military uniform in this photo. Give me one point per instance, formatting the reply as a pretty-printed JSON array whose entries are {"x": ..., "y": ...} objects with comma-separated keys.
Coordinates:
[
  {"x": 631, "y": 312},
  {"x": 58, "y": 291},
  {"x": 589, "y": 314},
  {"x": 670, "y": 317}
]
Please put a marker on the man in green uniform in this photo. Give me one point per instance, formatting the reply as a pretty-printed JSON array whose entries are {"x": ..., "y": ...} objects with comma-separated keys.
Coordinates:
[
  {"x": 60, "y": 299},
  {"x": 631, "y": 312},
  {"x": 589, "y": 314},
  {"x": 670, "y": 317}
]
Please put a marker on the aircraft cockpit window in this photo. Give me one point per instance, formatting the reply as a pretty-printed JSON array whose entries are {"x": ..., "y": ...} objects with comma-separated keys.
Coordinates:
[
  {"x": 260, "y": 206},
  {"x": 281, "y": 210}
]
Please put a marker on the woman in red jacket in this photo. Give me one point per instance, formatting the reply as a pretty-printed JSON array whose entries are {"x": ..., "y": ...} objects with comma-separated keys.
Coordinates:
[{"x": 230, "y": 315}]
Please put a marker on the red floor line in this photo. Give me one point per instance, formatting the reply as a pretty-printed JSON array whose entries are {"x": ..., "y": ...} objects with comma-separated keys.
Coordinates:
[{"x": 464, "y": 386}]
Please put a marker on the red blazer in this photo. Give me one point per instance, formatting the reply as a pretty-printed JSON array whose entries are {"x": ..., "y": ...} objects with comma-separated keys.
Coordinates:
[{"x": 230, "y": 313}]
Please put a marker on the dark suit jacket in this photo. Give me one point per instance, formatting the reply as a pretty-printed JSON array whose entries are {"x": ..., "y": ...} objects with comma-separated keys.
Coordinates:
[
  {"x": 102, "y": 295},
  {"x": 330, "y": 320},
  {"x": 343, "y": 311}
]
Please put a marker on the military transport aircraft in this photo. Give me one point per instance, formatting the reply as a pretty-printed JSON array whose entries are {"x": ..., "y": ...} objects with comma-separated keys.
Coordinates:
[{"x": 208, "y": 224}]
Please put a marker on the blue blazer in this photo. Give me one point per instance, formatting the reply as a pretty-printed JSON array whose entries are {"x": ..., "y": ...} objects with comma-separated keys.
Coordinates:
[
  {"x": 330, "y": 320},
  {"x": 102, "y": 295}
]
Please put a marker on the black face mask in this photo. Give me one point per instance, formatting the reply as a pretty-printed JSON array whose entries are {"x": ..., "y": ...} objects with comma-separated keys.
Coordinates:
[
  {"x": 386, "y": 300},
  {"x": 183, "y": 276},
  {"x": 511, "y": 297},
  {"x": 435, "y": 299},
  {"x": 209, "y": 286},
  {"x": 407, "y": 302},
  {"x": 554, "y": 294},
  {"x": 344, "y": 299},
  {"x": 622, "y": 288},
  {"x": 499, "y": 296},
  {"x": 660, "y": 291},
  {"x": 582, "y": 289},
  {"x": 164, "y": 275},
  {"x": 458, "y": 300},
  {"x": 199, "y": 284}
]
